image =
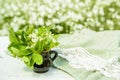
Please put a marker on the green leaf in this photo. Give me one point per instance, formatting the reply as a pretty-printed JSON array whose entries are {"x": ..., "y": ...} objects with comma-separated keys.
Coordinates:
[
  {"x": 23, "y": 37},
  {"x": 12, "y": 36},
  {"x": 25, "y": 52},
  {"x": 42, "y": 31},
  {"x": 25, "y": 59},
  {"x": 31, "y": 63},
  {"x": 21, "y": 46},
  {"x": 38, "y": 59},
  {"x": 39, "y": 46},
  {"x": 47, "y": 44},
  {"x": 15, "y": 52},
  {"x": 19, "y": 32},
  {"x": 19, "y": 49},
  {"x": 30, "y": 29},
  {"x": 28, "y": 61},
  {"x": 56, "y": 36}
]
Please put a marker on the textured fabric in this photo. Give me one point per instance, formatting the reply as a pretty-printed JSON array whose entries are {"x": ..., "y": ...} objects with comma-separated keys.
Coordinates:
[
  {"x": 79, "y": 74},
  {"x": 104, "y": 44}
]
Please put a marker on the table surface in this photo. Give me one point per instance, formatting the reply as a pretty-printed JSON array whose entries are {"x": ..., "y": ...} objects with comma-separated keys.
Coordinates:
[{"x": 14, "y": 69}]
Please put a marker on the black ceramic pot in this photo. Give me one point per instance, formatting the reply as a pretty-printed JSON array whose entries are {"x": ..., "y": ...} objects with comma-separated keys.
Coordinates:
[{"x": 48, "y": 59}]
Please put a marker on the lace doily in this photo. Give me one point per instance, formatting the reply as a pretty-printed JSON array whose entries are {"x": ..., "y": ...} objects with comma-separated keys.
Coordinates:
[{"x": 81, "y": 58}]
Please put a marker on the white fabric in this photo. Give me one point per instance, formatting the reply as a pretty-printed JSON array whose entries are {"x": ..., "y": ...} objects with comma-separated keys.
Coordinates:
[{"x": 81, "y": 58}]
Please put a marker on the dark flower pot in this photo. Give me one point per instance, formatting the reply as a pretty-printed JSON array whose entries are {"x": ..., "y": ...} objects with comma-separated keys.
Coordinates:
[{"x": 47, "y": 62}]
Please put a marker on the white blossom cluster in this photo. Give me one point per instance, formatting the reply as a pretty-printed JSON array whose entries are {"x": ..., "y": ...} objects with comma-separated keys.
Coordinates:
[{"x": 65, "y": 15}]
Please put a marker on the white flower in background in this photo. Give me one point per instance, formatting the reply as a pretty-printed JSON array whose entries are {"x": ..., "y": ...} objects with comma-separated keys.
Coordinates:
[
  {"x": 2, "y": 11},
  {"x": 40, "y": 21},
  {"x": 110, "y": 22},
  {"x": 59, "y": 27},
  {"x": 102, "y": 19},
  {"x": 111, "y": 9},
  {"x": 14, "y": 7},
  {"x": 95, "y": 11},
  {"x": 101, "y": 11},
  {"x": 78, "y": 26},
  {"x": 48, "y": 23},
  {"x": 89, "y": 13},
  {"x": 116, "y": 16}
]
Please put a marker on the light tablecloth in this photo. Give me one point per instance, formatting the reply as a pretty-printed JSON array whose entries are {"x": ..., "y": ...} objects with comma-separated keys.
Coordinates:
[
  {"x": 104, "y": 44},
  {"x": 14, "y": 69}
]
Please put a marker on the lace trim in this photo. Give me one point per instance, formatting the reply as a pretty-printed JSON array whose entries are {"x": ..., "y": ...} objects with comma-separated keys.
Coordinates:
[{"x": 81, "y": 58}]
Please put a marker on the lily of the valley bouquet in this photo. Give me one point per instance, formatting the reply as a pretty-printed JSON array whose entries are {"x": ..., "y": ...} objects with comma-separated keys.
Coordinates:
[{"x": 30, "y": 43}]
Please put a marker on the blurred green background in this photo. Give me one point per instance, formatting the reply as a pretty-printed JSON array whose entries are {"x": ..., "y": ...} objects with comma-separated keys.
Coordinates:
[{"x": 65, "y": 16}]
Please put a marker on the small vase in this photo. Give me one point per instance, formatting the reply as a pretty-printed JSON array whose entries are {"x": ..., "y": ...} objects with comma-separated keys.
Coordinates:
[{"x": 47, "y": 62}]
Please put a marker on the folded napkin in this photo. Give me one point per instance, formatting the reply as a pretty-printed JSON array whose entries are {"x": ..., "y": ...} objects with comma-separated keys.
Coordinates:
[{"x": 105, "y": 45}]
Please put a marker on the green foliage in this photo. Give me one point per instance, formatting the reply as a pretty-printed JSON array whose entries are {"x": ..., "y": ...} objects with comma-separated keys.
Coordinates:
[{"x": 28, "y": 44}]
